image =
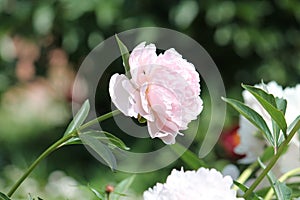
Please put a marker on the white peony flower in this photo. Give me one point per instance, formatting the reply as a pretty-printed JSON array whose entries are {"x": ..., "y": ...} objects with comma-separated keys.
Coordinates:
[
  {"x": 291, "y": 158},
  {"x": 252, "y": 144},
  {"x": 192, "y": 185}
]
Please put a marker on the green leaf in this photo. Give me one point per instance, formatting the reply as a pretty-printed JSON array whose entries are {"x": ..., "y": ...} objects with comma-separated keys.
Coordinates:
[
  {"x": 269, "y": 103},
  {"x": 107, "y": 138},
  {"x": 190, "y": 158},
  {"x": 141, "y": 119},
  {"x": 282, "y": 191},
  {"x": 244, "y": 188},
  {"x": 97, "y": 193},
  {"x": 291, "y": 126},
  {"x": 79, "y": 118},
  {"x": 74, "y": 140},
  {"x": 121, "y": 188},
  {"x": 101, "y": 150},
  {"x": 276, "y": 135},
  {"x": 30, "y": 197},
  {"x": 268, "y": 154},
  {"x": 125, "y": 56},
  {"x": 4, "y": 197},
  {"x": 281, "y": 104},
  {"x": 103, "y": 136},
  {"x": 115, "y": 140},
  {"x": 252, "y": 116}
]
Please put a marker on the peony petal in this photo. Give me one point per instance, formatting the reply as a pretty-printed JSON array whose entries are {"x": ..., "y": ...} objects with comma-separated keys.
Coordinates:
[
  {"x": 163, "y": 89},
  {"x": 208, "y": 184},
  {"x": 163, "y": 131},
  {"x": 169, "y": 139},
  {"x": 144, "y": 100},
  {"x": 152, "y": 129},
  {"x": 120, "y": 96},
  {"x": 140, "y": 60}
]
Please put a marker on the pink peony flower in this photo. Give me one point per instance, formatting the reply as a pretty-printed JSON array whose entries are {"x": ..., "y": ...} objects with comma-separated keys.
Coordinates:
[
  {"x": 208, "y": 184},
  {"x": 164, "y": 89}
]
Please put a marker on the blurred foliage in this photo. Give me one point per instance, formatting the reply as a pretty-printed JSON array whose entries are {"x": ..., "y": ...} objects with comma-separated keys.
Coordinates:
[{"x": 248, "y": 40}]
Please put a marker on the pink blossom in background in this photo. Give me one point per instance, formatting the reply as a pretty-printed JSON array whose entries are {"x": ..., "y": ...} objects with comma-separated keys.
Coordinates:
[{"x": 164, "y": 89}]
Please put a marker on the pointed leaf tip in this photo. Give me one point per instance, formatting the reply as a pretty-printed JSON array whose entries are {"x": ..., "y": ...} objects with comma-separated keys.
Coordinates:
[
  {"x": 125, "y": 56},
  {"x": 268, "y": 102},
  {"x": 251, "y": 115},
  {"x": 79, "y": 117}
]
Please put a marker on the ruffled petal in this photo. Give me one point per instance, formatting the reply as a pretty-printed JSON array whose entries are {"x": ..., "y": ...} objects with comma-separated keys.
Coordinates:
[{"x": 121, "y": 96}]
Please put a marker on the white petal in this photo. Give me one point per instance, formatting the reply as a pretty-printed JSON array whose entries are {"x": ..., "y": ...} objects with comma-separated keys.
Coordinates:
[
  {"x": 120, "y": 96},
  {"x": 201, "y": 184},
  {"x": 152, "y": 129},
  {"x": 168, "y": 139}
]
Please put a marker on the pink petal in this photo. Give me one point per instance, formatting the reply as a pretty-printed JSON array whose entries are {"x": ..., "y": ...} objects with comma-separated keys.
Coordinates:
[{"x": 140, "y": 59}]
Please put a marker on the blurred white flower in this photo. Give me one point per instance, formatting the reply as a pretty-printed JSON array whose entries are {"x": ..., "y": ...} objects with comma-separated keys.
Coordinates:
[
  {"x": 62, "y": 186},
  {"x": 231, "y": 170},
  {"x": 201, "y": 184},
  {"x": 252, "y": 143},
  {"x": 58, "y": 186},
  {"x": 291, "y": 158}
]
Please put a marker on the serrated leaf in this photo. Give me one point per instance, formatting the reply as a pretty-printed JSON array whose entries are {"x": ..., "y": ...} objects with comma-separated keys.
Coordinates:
[
  {"x": 269, "y": 104},
  {"x": 125, "y": 56},
  {"x": 4, "y": 197},
  {"x": 244, "y": 188},
  {"x": 122, "y": 188},
  {"x": 190, "y": 158},
  {"x": 253, "y": 117},
  {"x": 282, "y": 191},
  {"x": 79, "y": 117},
  {"x": 102, "y": 150}
]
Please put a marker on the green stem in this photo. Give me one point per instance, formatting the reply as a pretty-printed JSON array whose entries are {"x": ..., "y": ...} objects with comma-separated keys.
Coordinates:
[
  {"x": 283, "y": 178},
  {"x": 100, "y": 119},
  {"x": 274, "y": 159},
  {"x": 52, "y": 148},
  {"x": 246, "y": 174},
  {"x": 55, "y": 146},
  {"x": 251, "y": 168}
]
